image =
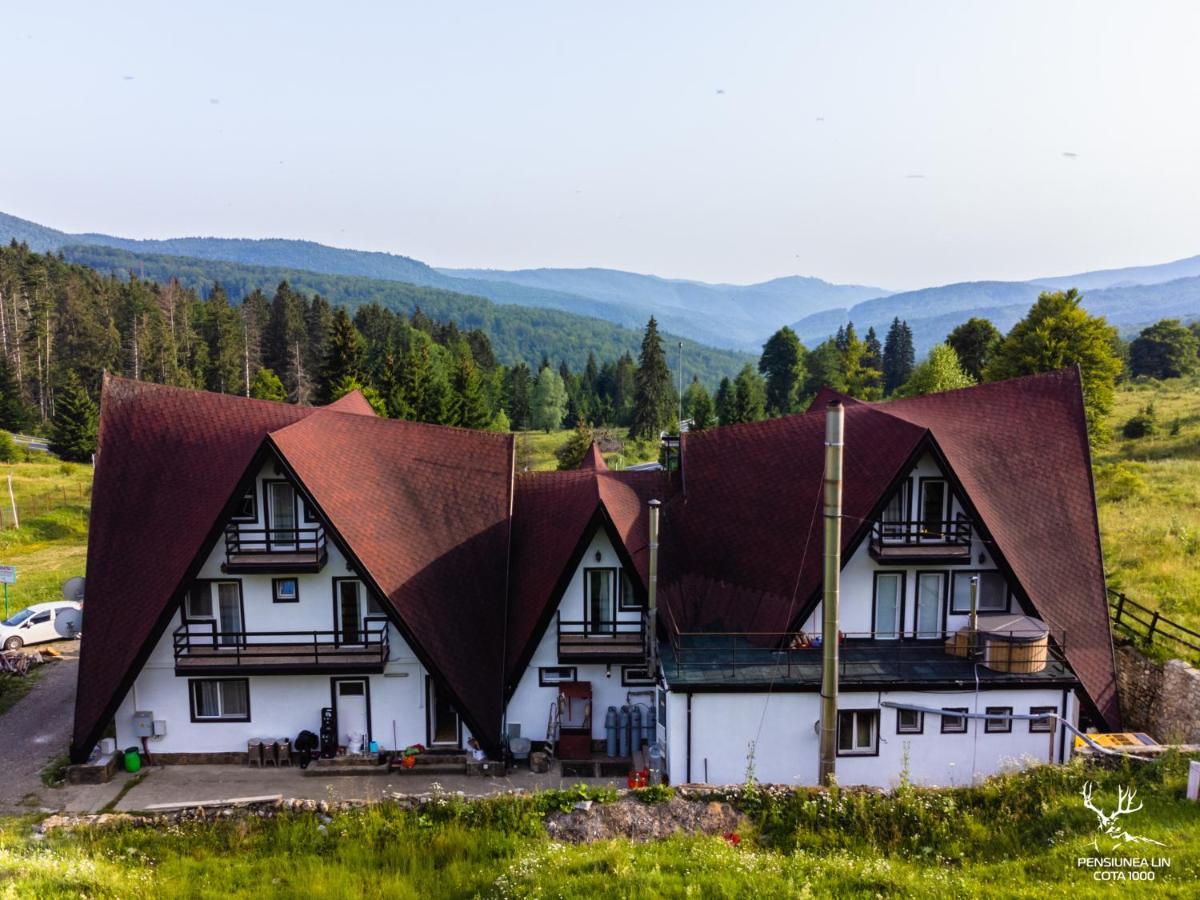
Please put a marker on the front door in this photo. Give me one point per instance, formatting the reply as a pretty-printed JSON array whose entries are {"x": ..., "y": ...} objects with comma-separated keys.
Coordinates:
[
  {"x": 281, "y": 505},
  {"x": 443, "y": 720},
  {"x": 351, "y": 696}
]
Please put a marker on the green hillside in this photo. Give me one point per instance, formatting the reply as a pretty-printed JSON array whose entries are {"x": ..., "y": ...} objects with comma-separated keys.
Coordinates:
[{"x": 517, "y": 333}]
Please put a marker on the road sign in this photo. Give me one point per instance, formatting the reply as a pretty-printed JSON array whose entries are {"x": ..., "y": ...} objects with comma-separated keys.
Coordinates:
[{"x": 8, "y": 574}]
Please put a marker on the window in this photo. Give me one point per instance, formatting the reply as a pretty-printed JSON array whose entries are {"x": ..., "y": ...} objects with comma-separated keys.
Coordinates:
[
  {"x": 285, "y": 590},
  {"x": 40, "y": 618},
  {"x": 993, "y": 592},
  {"x": 220, "y": 699},
  {"x": 551, "y": 675},
  {"x": 629, "y": 601},
  {"x": 1043, "y": 725},
  {"x": 858, "y": 732},
  {"x": 889, "y": 604},
  {"x": 632, "y": 676},
  {"x": 895, "y": 514},
  {"x": 930, "y": 591},
  {"x": 599, "y": 603},
  {"x": 246, "y": 508},
  {"x": 997, "y": 725},
  {"x": 933, "y": 509},
  {"x": 952, "y": 724},
  {"x": 910, "y": 721},
  {"x": 199, "y": 601},
  {"x": 310, "y": 514}
]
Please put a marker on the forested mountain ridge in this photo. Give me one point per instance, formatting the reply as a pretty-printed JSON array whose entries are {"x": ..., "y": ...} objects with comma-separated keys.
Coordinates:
[{"x": 517, "y": 334}]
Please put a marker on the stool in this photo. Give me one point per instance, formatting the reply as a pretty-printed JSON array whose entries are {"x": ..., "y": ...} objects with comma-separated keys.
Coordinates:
[
  {"x": 283, "y": 750},
  {"x": 270, "y": 752},
  {"x": 254, "y": 752}
]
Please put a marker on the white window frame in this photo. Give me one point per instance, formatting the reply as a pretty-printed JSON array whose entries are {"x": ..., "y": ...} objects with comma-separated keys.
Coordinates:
[
  {"x": 221, "y": 716},
  {"x": 856, "y": 749}
]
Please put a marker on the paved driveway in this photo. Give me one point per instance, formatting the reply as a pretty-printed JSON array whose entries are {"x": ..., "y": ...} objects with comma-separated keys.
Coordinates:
[{"x": 36, "y": 729}]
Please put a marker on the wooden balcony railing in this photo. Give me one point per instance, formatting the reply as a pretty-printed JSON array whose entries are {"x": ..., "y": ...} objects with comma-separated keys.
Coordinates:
[
  {"x": 200, "y": 648},
  {"x": 605, "y": 639},
  {"x": 923, "y": 540},
  {"x": 250, "y": 548}
]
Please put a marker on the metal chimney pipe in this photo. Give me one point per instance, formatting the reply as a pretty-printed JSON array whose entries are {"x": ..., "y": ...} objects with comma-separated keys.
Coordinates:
[
  {"x": 973, "y": 619},
  {"x": 835, "y": 417},
  {"x": 652, "y": 594}
]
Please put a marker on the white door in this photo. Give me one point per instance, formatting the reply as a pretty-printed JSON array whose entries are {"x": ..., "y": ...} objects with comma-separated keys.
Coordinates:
[
  {"x": 282, "y": 502},
  {"x": 352, "y": 709},
  {"x": 930, "y": 590}
]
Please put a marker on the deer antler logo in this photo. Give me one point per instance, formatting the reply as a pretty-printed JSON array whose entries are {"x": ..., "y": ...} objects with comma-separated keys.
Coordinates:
[{"x": 1108, "y": 821}]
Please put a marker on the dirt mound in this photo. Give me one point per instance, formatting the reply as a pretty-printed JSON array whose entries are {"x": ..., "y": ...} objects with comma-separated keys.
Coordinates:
[{"x": 631, "y": 818}]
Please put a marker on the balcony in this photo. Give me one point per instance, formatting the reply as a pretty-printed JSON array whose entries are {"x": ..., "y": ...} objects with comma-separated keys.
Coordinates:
[
  {"x": 901, "y": 543},
  {"x": 200, "y": 649},
  {"x": 601, "y": 641},
  {"x": 253, "y": 549}
]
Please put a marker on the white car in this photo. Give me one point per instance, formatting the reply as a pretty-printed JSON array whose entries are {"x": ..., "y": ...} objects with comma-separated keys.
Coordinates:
[{"x": 60, "y": 620}]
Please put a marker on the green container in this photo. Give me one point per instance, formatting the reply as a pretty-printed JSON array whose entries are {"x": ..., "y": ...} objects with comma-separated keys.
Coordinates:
[{"x": 133, "y": 760}]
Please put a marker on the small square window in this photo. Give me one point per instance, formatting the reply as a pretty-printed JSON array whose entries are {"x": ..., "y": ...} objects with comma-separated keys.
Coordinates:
[
  {"x": 246, "y": 508},
  {"x": 992, "y": 595},
  {"x": 285, "y": 590},
  {"x": 858, "y": 732},
  {"x": 633, "y": 676},
  {"x": 226, "y": 700},
  {"x": 954, "y": 724},
  {"x": 1042, "y": 725},
  {"x": 910, "y": 721},
  {"x": 199, "y": 601},
  {"x": 998, "y": 725}
]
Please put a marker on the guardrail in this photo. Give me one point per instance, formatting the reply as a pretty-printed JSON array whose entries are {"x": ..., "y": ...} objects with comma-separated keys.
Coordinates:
[
  {"x": 1149, "y": 626},
  {"x": 243, "y": 541},
  {"x": 249, "y": 647},
  {"x": 950, "y": 532}
]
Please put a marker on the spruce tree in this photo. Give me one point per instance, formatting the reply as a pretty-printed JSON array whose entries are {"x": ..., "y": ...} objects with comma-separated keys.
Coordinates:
[
  {"x": 344, "y": 355},
  {"x": 14, "y": 414},
  {"x": 518, "y": 396},
  {"x": 73, "y": 428},
  {"x": 724, "y": 402},
  {"x": 469, "y": 408},
  {"x": 652, "y": 397},
  {"x": 898, "y": 355}
]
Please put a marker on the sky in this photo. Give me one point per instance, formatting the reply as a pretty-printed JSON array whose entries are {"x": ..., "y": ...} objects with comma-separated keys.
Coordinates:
[{"x": 891, "y": 144}]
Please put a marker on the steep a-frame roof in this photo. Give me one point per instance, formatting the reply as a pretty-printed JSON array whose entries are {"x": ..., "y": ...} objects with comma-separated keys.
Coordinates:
[
  {"x": 740, "y": 555},
  {"x": 424, "y": 509},
  {"x": 554, "y": 517}
]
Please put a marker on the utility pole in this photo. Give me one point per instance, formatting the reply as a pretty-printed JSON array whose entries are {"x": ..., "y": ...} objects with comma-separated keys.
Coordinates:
[
  {"x": 835, "y": 417},
  {"x": 681, "y": 391}
]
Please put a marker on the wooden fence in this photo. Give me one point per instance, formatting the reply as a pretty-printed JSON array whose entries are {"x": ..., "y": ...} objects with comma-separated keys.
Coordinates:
[
  {"x": 42, "y": 502},
  {"x": 1149, "y": 626}
]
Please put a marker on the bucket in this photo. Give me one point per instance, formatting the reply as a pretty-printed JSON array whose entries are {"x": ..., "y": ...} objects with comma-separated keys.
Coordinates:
[{"x": 133, "y": 759}]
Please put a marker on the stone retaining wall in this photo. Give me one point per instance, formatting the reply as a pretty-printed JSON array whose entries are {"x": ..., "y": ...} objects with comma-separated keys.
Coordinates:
[{"x": 1161, "y": 699}]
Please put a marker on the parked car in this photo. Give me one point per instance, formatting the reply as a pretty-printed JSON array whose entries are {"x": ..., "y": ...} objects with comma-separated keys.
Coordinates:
[{"x": 60, "y": 620}]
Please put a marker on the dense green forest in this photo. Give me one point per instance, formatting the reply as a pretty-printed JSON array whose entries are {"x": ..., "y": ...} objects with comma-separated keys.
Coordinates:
[{"x": 517, "y": 333}]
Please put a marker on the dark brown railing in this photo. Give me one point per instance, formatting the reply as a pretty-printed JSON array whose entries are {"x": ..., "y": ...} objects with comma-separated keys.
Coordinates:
[
  {"x": 367, "y": 644},
  {"x": 950, "y": 532},
  {"x": 621, "y": 633},
  {"x": 243, "y": 541},
  {"x": 1149, "y": 626}
]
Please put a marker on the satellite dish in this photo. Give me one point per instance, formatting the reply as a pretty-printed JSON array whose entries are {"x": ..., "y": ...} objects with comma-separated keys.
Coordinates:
[{"x": 72, "y": 589}]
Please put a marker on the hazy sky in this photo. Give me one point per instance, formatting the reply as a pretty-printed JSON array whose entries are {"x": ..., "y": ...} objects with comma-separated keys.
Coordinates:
[{"x": 731, "y": 141}]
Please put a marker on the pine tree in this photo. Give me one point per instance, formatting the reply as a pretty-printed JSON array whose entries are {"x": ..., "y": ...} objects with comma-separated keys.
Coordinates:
[
  {"x": 518, "y": 396},
  {"x": 468, "y": 406},
  {"x": 724, "y": 402},
  {"x": 652, "y": 398},
  {"x": 223, "y": 333},
  {"x": 698, "y": 406},
  {"x": 73, "y": 428},
  {"x": 14, "y": 414},
  {"x": 344, "y": 355},
  {"x": 898, "y": 355},
  {"x": 571, "y": 454},
  {"x": 782, "y": 362}
]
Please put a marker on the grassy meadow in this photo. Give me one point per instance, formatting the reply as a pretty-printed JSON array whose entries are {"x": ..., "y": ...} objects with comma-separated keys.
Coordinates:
[
  {"x": 535, "y": 449},
  {"x": 1149, "y": 494},
  {"x": 1018, "y": 835}
]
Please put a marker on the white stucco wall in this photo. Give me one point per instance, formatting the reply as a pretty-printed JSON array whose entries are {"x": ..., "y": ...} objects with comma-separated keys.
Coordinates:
[
  {"x": 786, "y": 749},
  {"x": 530, "y": 704},
  {"x": 280, "y": 705}
]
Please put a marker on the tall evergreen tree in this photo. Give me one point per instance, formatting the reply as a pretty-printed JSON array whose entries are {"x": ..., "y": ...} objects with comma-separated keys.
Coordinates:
[
  {"x": 468, "y": 406},
  {"x": 344, "y": 355},
  {"x": 518, "y": 397},
  {"x": 782, "y": 362},
  {"x": 73, "y": 428},
  {"x": 749, "y": 396},
  {"x": 652, "y": 398},
  {"x": 724, "y": 402},
  {"x": 14, "y": 414},
  {"x": 899, "y": 356}
]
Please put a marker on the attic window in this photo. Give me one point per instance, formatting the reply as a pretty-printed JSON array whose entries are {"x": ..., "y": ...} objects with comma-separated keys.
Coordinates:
[{"x": 629, "y": 601}]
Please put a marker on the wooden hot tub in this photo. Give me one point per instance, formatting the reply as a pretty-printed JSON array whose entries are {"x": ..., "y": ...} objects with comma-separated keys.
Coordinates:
[{"x": 1014, "y": 643}]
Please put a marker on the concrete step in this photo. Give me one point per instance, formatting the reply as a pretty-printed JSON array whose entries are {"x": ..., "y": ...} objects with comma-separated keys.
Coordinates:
[{"x": 432, "y": 769}]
